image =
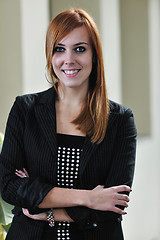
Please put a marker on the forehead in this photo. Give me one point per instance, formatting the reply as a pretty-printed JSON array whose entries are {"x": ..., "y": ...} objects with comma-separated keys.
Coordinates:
[{"x": 77, "y": 35}]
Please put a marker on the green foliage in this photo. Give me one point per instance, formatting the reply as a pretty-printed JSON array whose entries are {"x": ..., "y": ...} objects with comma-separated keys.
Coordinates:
[
  {"x": 5, "y": 209},
  {"x": 5, "y": 212},
  {"x": 1, "y": 140}
]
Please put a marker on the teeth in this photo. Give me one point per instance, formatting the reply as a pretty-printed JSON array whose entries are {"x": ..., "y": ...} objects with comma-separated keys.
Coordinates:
[{"x": 70, "y": 72}]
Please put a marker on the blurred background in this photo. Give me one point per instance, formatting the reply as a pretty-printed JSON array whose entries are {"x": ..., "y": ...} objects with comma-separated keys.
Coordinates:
[{"x": 130, "y": 34}]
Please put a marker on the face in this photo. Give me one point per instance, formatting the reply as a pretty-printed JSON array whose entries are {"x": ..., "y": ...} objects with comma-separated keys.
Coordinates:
[{"x": 72, "y": 59}]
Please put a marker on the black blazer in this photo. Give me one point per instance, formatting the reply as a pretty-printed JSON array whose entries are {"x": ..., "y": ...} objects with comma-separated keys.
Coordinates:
[{"x": 30, "y": 142}]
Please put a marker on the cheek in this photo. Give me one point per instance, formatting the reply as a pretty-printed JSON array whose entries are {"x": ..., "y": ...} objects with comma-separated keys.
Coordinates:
[{"x": 56, "y": 62}]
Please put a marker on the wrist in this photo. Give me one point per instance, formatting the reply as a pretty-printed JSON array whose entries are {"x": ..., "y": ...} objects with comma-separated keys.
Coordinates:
[
  {"x": 50, "y": 218},
  {"x": 85, "y": 198},
  {"x": 45, "y": 217}
]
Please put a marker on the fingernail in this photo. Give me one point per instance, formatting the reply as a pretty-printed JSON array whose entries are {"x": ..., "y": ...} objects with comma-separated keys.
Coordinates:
[{"x": 130, "y": 190}]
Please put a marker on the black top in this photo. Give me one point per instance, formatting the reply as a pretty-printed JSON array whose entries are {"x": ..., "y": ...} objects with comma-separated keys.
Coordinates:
[{"x": 68, "y": 160}]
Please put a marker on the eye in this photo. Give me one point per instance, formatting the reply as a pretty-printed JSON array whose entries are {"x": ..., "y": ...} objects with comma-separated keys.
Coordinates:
[
  {"x": 58, "y": 49},
  {"x": 80, "y": 49}
]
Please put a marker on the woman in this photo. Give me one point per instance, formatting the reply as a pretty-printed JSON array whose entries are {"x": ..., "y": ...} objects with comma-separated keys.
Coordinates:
[{"x": 74, "y": 150}]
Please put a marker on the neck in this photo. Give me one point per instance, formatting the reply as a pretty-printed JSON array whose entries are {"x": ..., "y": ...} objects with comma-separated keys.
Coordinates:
[{"x": 72, "y": 96}]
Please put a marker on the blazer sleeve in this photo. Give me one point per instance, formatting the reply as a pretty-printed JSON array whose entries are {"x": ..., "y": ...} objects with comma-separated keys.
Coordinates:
[
  {"x": 22, "y": 192},
  {"x": 121, "y": 172}
]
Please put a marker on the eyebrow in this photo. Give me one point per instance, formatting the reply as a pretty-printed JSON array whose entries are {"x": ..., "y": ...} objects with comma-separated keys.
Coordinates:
[{"x": 76, "y": 44}]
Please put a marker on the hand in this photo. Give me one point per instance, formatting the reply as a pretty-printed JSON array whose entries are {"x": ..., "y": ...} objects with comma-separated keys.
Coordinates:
[
  {"x": 22, "y": 174},
  {"x": 107, "y": 199},
  {"x": 40, "y": 216},
  {"x": 59, "y": 215}
]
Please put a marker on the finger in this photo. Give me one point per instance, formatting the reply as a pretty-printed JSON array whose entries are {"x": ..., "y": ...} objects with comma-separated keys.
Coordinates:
[
  {"x": 19, "y": 171},
  {"x": 19, "y": 175},
  {"x": 25, "y": 212},
  {"x": 118, "y": 210},
  {"x": 122, "y": 203},
  {"x": 123, "y": 197},
  {"x": 26, "y": 173},
  {"x": 123, "y": 188}
]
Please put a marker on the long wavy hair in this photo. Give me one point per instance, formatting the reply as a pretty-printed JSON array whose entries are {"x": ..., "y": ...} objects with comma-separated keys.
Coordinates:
[{"x": 93, "y": 117}]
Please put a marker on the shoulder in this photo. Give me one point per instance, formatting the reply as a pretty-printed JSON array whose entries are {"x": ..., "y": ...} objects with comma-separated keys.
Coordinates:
[
  {"x": 120, "y": 115},
  {"x": 30, "y": 100},
  {"x": 25, "y": 103},
  {"x": 118, "y": 109}
]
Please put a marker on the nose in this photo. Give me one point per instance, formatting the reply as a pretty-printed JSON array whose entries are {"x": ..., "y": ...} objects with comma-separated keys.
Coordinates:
[{"x": 69, "y": 57}]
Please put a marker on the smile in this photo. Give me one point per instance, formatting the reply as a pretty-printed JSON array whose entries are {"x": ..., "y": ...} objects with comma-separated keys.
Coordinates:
[{"x": 70, "y": 72}]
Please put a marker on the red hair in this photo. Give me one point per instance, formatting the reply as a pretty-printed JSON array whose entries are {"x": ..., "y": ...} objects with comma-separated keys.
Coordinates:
[{"x": 93, "y": 118}]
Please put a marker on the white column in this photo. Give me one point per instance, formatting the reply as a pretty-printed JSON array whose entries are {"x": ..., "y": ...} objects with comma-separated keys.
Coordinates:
[
  {"x": 34, "y": 22},
  {"x": 110, "y": 35}
]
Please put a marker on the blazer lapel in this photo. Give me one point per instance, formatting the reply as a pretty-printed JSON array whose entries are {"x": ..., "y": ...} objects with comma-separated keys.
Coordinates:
[
  {"x": 46, "y": 116},
  {"x": 89, "y": 148}
]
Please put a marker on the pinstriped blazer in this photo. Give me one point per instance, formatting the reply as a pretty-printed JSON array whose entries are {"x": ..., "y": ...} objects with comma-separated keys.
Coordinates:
[{"x": 30, "y": 142}]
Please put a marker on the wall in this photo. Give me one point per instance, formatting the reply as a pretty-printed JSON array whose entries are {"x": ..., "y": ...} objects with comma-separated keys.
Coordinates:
[
  {"x": 135, "y": 61},
  {"x": 92, "y": 6},
  {"x": 143, "y": 219},
  {"x": 10, "y": 57}
]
